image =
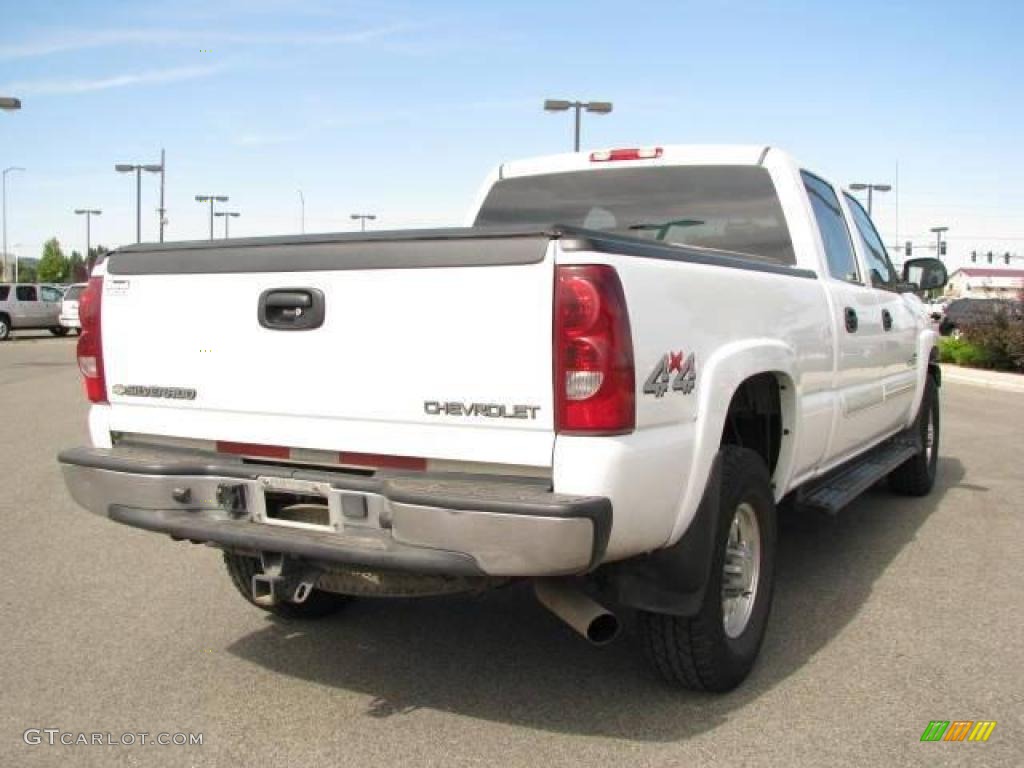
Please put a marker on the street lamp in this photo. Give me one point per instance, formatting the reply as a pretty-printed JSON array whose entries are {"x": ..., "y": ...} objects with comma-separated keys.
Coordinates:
[
  {"x": 363, "y": 218},
  {"x": 9, "y": 103},
  {"x": 562, "y": 105},
  {"x": 4, "y": 211},
  {"x": 137, "y": 170},
  {"x": 870, "y": 188},
  {"x": 211, "y": 199},
  {"x": 154, "y": 168},
  {"x": 302, "y": 212},
  {"x": 88, "y": 213},
  {"x": 939, "y": 250},
  {"x": 228, "y": 215}
]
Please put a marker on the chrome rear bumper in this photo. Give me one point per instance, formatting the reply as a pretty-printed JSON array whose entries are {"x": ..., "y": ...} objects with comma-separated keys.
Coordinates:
[{"x": 417, "y": 523}]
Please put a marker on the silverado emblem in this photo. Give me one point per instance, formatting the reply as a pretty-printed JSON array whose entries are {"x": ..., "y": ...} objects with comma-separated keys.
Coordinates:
[{"x": 660, "y": 380}]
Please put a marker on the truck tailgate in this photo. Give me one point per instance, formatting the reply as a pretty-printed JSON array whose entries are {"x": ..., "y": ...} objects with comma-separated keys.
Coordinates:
[{"x": 429, "y": 347}]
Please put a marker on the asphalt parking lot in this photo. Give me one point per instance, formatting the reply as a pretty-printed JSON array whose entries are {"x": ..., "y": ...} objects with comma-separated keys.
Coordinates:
[{"x": 893, "y": 614}]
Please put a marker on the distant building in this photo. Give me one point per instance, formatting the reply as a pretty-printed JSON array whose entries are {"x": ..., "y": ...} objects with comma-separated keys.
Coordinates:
[{"x": 986, "y": 283}]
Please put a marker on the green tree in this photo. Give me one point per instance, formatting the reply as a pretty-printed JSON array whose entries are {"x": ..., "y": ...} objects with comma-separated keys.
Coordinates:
[
  {"x": 54, "y": 266},
  {"x": 27, "y": 271},
  {"x": 76, "y": 268}
]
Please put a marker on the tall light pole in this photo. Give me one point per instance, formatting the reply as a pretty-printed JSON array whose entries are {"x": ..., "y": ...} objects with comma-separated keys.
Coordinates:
[
  {"x": 870, "y": 188},
  {"x": 228, "y": 215},
  {"x": 9, "y": 103},
  {"x": 363, "y": 218},
  {"x": 302, "y": 212},
  {"x": 88, "y": 213},
  {"x": 938, "y": 240},
  {"x": 211, "y": 199},
  {"x": 137, "y": 169},
  {"x": 4, "y": 211},
  {"x": 161, "y": 169},
  {"x": 562, "y": 105}
]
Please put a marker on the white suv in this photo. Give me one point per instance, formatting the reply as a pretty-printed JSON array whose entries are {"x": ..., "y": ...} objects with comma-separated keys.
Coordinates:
[{"x": 69, "y": 308}]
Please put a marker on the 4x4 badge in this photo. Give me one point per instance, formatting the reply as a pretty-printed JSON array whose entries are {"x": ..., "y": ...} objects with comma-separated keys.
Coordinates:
[{"x": 661, "y": 380}]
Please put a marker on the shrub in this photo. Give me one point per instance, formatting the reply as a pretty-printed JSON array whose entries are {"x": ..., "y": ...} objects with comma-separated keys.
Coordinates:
[
  {"x": 963, "y": 352},
  {"x": 999, "y": 345}
]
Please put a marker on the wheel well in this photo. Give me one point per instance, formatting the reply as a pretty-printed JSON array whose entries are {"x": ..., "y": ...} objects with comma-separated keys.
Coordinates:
[{"x": 754, "y": 419}]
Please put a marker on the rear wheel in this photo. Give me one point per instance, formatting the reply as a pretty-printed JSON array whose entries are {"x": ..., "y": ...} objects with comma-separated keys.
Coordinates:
[
  {"x": 241, "y": 569},
  {"x": 5, "y": 327},
  {"x": 916, "y": 476},
  {"x": 716, "y": 649},
  {"x": 59, "y": 330}
]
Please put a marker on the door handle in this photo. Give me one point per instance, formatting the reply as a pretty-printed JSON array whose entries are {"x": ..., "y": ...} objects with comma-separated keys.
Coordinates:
[
  {"x": 291, "y": 309},
  {"x": 851, "y": 319},
  {"x": 886, "y": 320}
]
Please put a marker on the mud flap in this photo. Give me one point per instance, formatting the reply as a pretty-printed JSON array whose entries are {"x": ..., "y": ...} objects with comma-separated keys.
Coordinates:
[{"x": 673, "y": 580}]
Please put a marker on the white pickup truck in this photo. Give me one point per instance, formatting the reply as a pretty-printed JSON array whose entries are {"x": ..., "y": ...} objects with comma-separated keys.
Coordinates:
[{"x": 606, "y": 384}]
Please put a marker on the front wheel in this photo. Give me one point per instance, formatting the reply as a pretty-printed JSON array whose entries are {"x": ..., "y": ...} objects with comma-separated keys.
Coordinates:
[
  {"x": 716, "y": 649},
  {"x": 59, "y": 330},
  {"x": 916, "y": 476}
]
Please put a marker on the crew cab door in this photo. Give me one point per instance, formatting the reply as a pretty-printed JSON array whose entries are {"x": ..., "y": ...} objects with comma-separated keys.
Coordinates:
[
  {"x": 49, "y": 306},
  {"x": 27, "y": 308},
  {"x": 898, "y": 317},
  {"x": 859, "y": 364}
]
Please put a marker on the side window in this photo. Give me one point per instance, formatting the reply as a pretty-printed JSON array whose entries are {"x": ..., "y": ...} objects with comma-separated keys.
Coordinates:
[
  {"x": 5, "y": 291},
  {"x": 882, "y": 273},
  {"x": 50, "y": 294},
  {"x": 842, "y": 263},
  {"x": 25, "y": 293}
]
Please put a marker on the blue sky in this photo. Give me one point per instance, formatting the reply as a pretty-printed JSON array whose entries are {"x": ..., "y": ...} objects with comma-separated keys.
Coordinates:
[{"x": 400, "y": 109}]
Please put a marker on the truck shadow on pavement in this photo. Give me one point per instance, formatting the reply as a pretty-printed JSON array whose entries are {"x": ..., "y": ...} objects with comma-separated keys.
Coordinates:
[{"x": 501, "y": 657}]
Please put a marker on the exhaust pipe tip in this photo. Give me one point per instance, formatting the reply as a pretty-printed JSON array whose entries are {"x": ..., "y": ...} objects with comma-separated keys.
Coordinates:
[
  {"x": 585, "y": 615},
  {"x": 603, "y": 629}
]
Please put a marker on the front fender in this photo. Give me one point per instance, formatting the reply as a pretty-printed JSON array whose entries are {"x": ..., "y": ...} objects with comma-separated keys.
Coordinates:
[{"x": 927, "y": 360}]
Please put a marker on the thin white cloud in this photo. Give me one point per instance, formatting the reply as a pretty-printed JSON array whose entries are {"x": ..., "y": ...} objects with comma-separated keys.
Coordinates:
[
  {"x": 75, "y": 85},
  {"x": 77, "y": 40},
  {"x": 266, "y": 139}
]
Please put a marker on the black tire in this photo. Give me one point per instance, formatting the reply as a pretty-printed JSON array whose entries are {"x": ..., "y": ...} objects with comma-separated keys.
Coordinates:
[
  {"x": 696, "y": 652},
  {"x": 59, "y": 330},
  {"x": 916, "y": 476},
  {"x": 5, "y": 328},
  {"x": 318, "y": 605}
]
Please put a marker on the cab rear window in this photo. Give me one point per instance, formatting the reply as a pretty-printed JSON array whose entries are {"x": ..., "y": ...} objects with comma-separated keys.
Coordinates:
[{"x": 725, "y": 207}]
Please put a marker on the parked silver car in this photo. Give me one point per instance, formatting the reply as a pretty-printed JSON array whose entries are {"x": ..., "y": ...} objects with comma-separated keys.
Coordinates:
[
  {"x": 69, "y": 308},
  {"x": 24, "y": 305}
]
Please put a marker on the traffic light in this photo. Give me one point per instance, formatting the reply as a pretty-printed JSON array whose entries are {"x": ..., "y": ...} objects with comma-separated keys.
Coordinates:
[
  {"x": 908, "y": 249},
  {"x": 990, "y": 257},
  {"x": 974, "y": 256},
  {"x": 942, "y": 248},
  {"x": 1006, "y": 257}
]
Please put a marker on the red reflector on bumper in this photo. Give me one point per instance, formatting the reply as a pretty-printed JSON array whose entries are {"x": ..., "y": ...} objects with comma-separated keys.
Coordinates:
[
  {"x": 253, "y": 449},
  {"x": 382, "y": 461}
]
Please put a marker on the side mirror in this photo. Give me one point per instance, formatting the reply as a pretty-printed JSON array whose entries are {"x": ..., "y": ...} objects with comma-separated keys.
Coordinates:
[{"x": 926, "y": 274}]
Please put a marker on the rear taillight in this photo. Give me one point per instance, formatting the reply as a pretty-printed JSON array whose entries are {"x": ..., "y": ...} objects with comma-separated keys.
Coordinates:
[
  {"x": 90, "y": 343},
  {"x": 594, "y": 378}
]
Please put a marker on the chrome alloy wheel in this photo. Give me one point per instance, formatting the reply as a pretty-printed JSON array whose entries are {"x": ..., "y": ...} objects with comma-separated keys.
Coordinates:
[
  {"x": 741, "y": 570},
  {"x": 929, "y": 437}
]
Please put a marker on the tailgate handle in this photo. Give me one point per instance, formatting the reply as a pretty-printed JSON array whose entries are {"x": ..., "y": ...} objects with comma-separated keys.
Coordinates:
[{"x": 291, "y": 309}]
